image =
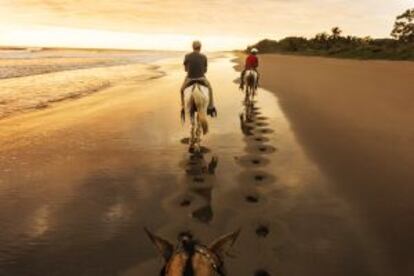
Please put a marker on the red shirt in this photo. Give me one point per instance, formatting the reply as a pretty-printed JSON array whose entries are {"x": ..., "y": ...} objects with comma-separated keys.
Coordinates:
[{"x": 252, "y": 62}]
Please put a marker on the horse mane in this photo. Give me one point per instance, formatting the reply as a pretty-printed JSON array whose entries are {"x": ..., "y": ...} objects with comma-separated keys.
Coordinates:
[{"x": 189, "y": 249}]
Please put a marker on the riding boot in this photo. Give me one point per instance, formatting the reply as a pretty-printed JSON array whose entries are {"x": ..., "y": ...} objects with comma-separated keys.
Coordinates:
[
  {"x": 257, "y": 82},
  {"x": 242, "y": 80}
]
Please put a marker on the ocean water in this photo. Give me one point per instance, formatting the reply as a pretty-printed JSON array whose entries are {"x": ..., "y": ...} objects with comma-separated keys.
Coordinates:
[{"x": 34, "y": 79}]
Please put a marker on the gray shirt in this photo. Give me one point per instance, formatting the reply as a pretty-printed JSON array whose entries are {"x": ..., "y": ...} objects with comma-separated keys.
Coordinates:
[{"x": 195, "y": 65}]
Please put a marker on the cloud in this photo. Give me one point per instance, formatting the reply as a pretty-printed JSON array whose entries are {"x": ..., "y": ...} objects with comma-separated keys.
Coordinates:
[{"x": 258, "y": 18}]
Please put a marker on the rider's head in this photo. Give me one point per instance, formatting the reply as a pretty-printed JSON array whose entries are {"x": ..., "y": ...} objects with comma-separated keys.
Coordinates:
[
  {"x": 254, "y": 51},
  {"x": 196, "y": 45}
]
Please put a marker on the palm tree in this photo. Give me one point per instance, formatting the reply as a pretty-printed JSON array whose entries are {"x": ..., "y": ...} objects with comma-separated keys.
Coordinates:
[
  {"x": 404, "y": 27},
  {"x": 366, "y": 40},
  {"x": 322, "y": 37},
  {"x": 336, "y": 33}
]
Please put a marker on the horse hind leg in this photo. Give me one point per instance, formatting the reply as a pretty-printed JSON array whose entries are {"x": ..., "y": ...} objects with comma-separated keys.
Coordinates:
[
  {"x": 198, "y": 130},
  {"x": 255, "y": 87},
  {"x": 246, "y": 95},
  {"x": 249, "y": 95},
  {"x": 193, "y": 134}
]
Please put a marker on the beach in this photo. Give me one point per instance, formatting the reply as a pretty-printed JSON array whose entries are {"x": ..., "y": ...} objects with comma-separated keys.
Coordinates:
[
  {"x": 318, "y": 179},
  {"x": 354, "y": 118}
]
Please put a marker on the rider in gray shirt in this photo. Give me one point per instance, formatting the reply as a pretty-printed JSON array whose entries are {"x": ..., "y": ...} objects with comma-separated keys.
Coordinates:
[{"x": 195, "y": 64}]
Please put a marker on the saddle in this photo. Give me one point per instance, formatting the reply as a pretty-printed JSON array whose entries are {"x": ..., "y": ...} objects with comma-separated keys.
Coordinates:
[
  {"x": 251, "y": 71},
  {"x": 196, "y": 81}
]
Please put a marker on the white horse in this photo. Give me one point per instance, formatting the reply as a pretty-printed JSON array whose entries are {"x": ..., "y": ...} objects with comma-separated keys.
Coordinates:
[
  {"x": 250, "y": 81},
  {"x": 196, "y": 98}
]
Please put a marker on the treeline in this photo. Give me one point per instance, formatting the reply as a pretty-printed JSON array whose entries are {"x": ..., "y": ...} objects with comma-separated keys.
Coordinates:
[{"x": 400, "y": 47}]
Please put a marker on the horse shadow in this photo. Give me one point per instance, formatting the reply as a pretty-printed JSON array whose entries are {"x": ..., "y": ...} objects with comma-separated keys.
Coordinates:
[
  {"x": 199, "y": 171},
  {"x": 247, "y": 118}
]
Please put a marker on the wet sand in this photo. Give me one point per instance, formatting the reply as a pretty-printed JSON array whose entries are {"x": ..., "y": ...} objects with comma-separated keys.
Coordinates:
[
  {"x": 80, "y": 180},
  {"x": 355, "y": 120}
]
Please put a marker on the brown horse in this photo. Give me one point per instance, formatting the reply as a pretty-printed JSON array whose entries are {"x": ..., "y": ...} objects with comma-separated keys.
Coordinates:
[{"x": 190, "y": 257}]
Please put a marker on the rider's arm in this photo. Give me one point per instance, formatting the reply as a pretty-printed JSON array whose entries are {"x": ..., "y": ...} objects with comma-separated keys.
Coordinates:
[
  {"x": 182, "y": 98},
  {"x": 210, "y": 94},
  {"x": 185, "y": 63},
  {"x": 206, "y": 64}
]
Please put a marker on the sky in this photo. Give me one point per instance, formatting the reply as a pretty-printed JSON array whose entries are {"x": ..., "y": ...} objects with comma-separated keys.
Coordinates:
[{"x": 173, "y": 24}]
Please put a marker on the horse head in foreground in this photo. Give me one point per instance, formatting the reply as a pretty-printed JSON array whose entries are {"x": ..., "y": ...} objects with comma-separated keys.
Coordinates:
[{"x": 189, "y": 257}]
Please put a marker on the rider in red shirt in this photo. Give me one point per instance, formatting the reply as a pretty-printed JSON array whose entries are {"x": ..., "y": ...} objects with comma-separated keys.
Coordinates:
[{"x": 252, "y": 62}]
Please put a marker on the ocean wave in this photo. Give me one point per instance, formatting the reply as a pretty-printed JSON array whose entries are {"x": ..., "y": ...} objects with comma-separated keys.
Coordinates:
[
  {"x": 39, "y": 91},
  {"x": 16, "y": 64}
]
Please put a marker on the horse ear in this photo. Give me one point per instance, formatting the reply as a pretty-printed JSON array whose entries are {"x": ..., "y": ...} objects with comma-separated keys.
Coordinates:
[
  {"x": 164, "y": 247},
  {"x": 226, "y": 241}
]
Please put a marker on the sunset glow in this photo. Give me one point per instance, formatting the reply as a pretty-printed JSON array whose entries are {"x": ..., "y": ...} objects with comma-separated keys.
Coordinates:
[
  {"x": 43, "y": 36},
  {"x": 172, "y": 24}
]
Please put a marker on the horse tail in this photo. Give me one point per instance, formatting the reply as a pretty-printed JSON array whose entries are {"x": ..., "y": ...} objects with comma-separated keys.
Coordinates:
[
  {"x": 251, "y": 79},
  {"x": 201, "y": 103}
]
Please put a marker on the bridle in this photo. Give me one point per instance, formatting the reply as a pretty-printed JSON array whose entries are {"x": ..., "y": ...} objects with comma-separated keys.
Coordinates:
[{"x": 213, "y": 259}]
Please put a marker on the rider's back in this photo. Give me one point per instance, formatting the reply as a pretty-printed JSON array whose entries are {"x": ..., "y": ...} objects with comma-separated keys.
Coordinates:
[
  {"x": 252, "y": 62},
  {"x": 195, "y": 64}
]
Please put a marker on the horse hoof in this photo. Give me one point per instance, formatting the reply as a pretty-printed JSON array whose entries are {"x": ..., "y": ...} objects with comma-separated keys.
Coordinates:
[{"x": 194, "y": 150}]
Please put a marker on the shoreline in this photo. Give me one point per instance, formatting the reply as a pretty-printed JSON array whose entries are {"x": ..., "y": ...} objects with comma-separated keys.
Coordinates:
[
  {"x": 45, "y": 97},
  {"x": 37, "y": 83}
]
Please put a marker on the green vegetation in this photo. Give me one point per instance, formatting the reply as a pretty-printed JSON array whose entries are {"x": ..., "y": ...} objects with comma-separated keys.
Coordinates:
[{"x": 400, "y": 47}]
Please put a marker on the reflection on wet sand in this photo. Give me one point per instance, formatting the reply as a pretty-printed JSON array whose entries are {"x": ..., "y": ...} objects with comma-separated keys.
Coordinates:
[
  {"x": 246, "y": 118},
  {"x": 199, "y": 184}
]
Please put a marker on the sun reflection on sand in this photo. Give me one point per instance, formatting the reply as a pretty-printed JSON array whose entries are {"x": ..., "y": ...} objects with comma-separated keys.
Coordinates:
[{"x": 40, "y": 222}]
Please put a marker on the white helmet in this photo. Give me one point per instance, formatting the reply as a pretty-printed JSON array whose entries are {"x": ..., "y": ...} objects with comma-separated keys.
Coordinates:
[{"x": 254, "y": 51}]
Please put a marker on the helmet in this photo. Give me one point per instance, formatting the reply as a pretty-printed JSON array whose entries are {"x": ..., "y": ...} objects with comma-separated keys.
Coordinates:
[
  {"x": 196, "y": 44},
  {"x": 254, "y": 51}
]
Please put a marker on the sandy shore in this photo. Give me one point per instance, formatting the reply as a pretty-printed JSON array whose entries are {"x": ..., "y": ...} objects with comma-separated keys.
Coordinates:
[
  {"x": 355, "y": 119},
  {"x": 80, "y": 179}
]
